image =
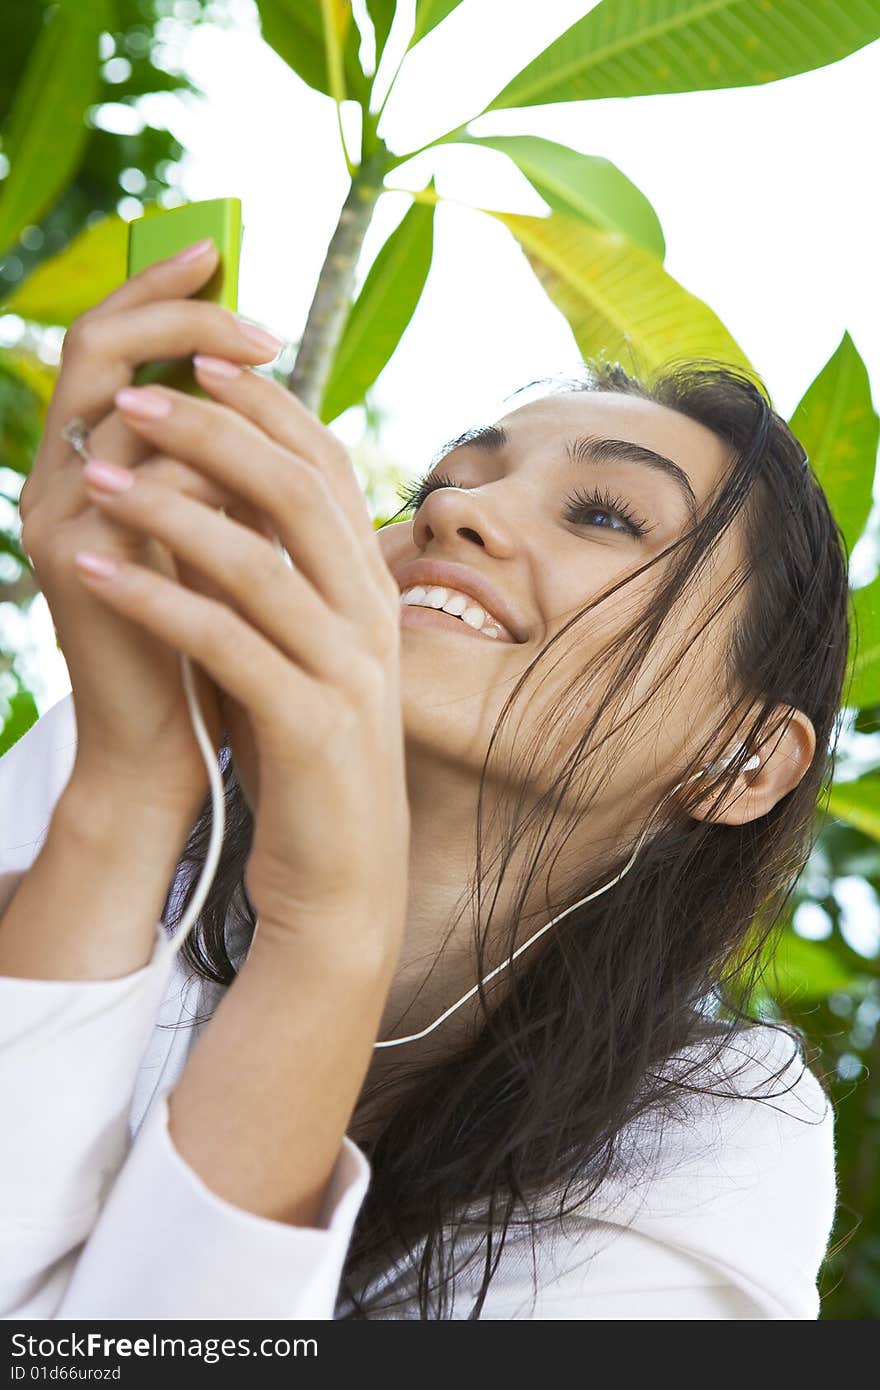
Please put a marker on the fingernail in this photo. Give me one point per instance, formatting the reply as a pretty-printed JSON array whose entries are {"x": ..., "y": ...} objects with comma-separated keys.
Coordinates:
[
  {"x": 189, "y": 253},
  {"x": 109, "y": 477},
  {"x": 265, "y": 341},
  {"x": 216, "y": 366},
  {"x": 98, "y": 566},
  {"x": 138, "y": 400}
]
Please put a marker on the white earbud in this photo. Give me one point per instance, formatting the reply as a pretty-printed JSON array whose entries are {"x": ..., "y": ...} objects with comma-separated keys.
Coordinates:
[{"x": 750, "y": 766}]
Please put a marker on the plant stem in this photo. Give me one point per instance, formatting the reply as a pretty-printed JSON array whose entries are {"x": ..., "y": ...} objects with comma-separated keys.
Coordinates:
[
  {"x": 349, "y": 162},
  {"x": 334, "y": 290},
  {"x": 450, "y": 137}
]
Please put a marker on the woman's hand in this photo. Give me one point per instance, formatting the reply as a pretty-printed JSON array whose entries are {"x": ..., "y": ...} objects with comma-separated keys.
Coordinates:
[
  {"x": 134, "y": 735},
  {"x": 308, "y": 654}
]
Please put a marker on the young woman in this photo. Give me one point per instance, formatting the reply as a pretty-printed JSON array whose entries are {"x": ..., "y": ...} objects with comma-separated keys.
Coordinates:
[{"x": 517, "y": 788}]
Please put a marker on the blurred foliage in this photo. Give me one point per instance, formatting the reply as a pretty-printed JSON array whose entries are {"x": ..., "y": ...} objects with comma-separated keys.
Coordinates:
[{"x": 79, "y": 159}]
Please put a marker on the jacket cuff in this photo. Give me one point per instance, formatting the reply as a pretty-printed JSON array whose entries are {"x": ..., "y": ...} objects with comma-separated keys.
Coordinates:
[{"x": 179, "y": 1250}]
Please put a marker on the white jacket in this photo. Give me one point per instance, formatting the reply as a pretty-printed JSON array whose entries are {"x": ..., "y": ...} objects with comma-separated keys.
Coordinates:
[{"x": 100, "y": 1216}]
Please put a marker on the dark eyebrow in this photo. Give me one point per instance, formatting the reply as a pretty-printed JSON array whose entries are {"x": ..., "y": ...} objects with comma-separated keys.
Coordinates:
[
  {"x": 591, "y": 449},
  {"x": 587, "y": 449}
]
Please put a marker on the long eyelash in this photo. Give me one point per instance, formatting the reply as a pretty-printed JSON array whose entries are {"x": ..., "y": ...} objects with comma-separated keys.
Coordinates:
[
  {"x": 601, "y": 500},
  {"x": 414, "y": 494}
]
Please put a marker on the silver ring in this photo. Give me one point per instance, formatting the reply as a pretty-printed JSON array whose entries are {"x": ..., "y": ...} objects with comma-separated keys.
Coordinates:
[{"x": 76, "y": 432}]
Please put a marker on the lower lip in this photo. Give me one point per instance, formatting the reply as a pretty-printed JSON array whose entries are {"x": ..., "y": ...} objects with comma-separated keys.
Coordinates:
[{"x": 411, "y": 615}]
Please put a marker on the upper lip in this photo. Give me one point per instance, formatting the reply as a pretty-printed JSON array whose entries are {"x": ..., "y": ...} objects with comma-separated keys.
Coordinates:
[{"x": 445, "y": 574}]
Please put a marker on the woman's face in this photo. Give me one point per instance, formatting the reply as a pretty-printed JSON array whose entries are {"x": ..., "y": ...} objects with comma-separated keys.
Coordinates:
[{"x": 512, "y": 521}]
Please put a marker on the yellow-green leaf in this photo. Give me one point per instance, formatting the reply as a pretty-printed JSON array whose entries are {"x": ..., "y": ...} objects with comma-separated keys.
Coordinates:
[
  {"x": 26, "y": 385},
  {"x": 45, "y": 134},
  {"x": 864, "y": 655},
  {"x": 89, "y": 267},
  {"x": 37, "y": 375},
  {"x": 838, "y": 426},
  {"x": 428, "y": 15},
  {"x": 381, "y": 13},
  {"x": 626, "y": 48},
  {"x": 616, "y": 296},
  {"x": 858, "y": 804},
  {"x": 381, "y": 312},
  {"x": 295, "y": 29},
  {"x": 582, "y": 185}
]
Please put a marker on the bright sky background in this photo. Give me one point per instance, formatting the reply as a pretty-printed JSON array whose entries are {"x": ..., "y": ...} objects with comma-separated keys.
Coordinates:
[{"x": 768, "y": 200}]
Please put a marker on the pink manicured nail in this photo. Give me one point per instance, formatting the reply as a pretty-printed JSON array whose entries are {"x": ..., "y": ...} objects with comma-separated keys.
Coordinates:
[
  {"x": 267, "y": 342},
  {"x": 98, "y": 566},
  {"x": 141, "y": 401},
  {"x": 216, "y": 366},
  {"x": 109, "y": 477},
  {"x": 189, "y": 253}
]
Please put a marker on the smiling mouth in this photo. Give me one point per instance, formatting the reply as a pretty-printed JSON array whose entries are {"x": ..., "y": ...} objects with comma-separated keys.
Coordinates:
[{"x": 414, "y": 615}]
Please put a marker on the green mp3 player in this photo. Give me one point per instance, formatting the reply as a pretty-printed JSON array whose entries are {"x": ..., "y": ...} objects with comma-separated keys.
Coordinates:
[{"x": 164, "y": 231}]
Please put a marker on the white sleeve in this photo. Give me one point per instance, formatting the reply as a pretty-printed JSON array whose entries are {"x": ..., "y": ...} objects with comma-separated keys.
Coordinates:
[
  {"x": 166, "y": 1246},
  {"x": 91, "y": 1222},
  {"x": 733, "y": 1225}
]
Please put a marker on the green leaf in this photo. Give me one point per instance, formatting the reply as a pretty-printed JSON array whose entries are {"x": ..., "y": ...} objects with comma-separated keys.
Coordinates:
[
  {"x": 37, "y": 376},
  {"x": 864, "y": 654},
  {"x": 808, "y": 969},
  {"x": 90, "y": 267},
  {"x": 295, "y": 29},
  {"x": 22, "y": 714},
  {"x": 628, "y": 48},
  {"x": 381, "y": 13},
  {"x": 382, "y": 310},
  {"x": 10, "y": 546},
  {"x": 26, "y": 386},
  {"x": 857, "y": 803},
  {"x": 45, "y": 135},
  {"x": 838, "y": 426},
  {"x": 616, "y": 296},
  {"x": 428, "y": 15},
  {"x": 582, "y": 185}
]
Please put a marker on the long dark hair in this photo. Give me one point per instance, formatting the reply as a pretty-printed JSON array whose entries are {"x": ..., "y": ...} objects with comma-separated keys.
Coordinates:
[{"x": 580, "y": 1046}]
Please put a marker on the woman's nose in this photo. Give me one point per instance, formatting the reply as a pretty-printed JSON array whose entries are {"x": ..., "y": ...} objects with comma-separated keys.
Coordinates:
[{"x": 450, "y": 513}]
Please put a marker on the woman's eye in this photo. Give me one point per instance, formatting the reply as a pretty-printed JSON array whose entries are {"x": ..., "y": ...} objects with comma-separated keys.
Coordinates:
[{"x": 582, "y": 508}]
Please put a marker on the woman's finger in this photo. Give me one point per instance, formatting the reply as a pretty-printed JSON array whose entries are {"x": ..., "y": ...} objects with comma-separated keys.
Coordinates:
[
  {"x": 166, "y": 279},
  {"x": 278, "y": 601},
  {"x": 285, "y": 419},
  {"x": 290, "y": 492},
  {"x": 102, "y": 350},
  {"x": 238, "y": 658}
]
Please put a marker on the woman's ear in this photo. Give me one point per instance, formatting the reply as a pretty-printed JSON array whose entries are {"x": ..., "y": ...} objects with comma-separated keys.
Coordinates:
[{"x": 785, "y": 757}]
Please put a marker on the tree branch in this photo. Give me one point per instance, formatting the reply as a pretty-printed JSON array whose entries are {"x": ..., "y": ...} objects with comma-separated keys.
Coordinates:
[{"x": 334, "y": 290}]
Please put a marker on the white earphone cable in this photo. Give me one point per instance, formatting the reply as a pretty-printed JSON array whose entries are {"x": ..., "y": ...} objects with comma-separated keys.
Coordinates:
[{"x": 414, "y": 1037}]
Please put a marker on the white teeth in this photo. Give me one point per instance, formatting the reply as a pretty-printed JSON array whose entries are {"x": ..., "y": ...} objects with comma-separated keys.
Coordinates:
[{"x": 457, "y": 604}]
